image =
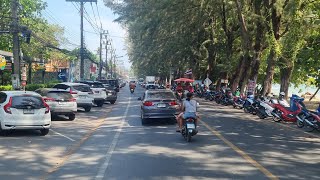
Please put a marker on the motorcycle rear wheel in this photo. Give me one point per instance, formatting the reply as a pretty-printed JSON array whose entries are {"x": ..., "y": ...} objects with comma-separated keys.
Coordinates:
[
  {"x": 299, "y": 123},
  {"x": 188, "y": 137}
]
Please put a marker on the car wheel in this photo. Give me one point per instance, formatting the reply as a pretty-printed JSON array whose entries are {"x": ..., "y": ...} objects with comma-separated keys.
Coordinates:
[
  {"x": 112, "y": 102},
  {"x": 100, "y": 103},
  {"x": 4, "y": 132},
  {"x": 72, "y": 117},
  {"x": 143, "y": 120},
  {"x": 44, "y": 132},
  {"x": 87, "y": 109}
]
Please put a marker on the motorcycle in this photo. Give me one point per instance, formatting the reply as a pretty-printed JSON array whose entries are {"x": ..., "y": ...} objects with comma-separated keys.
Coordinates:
[
  {"x": 131, "y": 90},
  {"x": 238, "y": 101},
  {"x": 190, "y": 129},
  {"x": 281, "y": 113},
  {"x": 209, "y": 95},
  {"x": 311, "y": 120},
  {"x": 227, "y": 99},
  {"x": 249, "y": 105},
  {"x": 180, "y": 95},
  {"x": 265, "y": 108}
]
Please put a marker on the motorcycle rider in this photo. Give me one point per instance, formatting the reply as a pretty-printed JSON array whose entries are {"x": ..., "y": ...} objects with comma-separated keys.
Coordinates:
[
  {"x": 282, "y": 101},
  {"x": 189, "y": 109},
  {"x": 132, "y": 85}
]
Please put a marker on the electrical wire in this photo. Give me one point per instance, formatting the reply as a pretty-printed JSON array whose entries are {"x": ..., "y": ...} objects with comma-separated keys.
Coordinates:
[
  {"x": 85, "y": 13},
  {"x": 94, "y": 14},
  {"x": 98, "y": 14}
]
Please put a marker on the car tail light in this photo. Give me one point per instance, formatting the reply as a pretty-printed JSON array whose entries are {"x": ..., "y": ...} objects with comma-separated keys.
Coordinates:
[
  {"x": 49, "y": 99},
  {"x": 72, "y": 100},
  {"x": 8, "y": 106},
  {"x": 46, "y": 106},
  {"x": 73, "y": 92},
  {"x": 148, "y": 103},
  {"x": 173, "y": 103}
]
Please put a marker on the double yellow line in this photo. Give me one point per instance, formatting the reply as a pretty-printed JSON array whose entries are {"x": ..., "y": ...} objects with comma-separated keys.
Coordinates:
[{"x": 240, "y": 152}]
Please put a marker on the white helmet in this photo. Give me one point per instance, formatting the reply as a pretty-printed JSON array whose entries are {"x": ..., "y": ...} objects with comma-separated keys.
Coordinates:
[{"x": 282, "y": 94}]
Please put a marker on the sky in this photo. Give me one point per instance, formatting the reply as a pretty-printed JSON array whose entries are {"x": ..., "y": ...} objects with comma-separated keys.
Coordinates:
[{"x": 66, "y": 14}]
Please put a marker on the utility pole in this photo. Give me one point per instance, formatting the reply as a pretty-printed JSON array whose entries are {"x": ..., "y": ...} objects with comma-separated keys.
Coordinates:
[
  {"x": 81, "y": 34},
  {"x": 107, "y": 68},
  {"x": 15, "y": 34},
  {"x": 81, "y": 48},
  {"x": 100, "y": 53}
]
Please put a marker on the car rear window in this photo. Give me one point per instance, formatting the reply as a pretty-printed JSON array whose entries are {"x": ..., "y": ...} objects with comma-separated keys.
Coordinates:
[
  {"x": 96, "y": 85},
  {"x": 111, "y": 82},
  {"x": 160, "y": 95},
  {"x": 23, "y": 101},
  {"x": 59, "y": 95},
  {"x": 82, "y": 88}
]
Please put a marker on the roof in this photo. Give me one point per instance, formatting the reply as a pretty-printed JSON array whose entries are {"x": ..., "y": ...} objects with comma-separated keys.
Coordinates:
[
  {"x": 72, "y": 84},
  {"x": 13, "y": 93},
  {"x": 52, "y": 89}
]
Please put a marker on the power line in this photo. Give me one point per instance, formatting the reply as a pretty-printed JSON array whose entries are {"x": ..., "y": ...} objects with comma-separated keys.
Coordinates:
[
  {"x": 94, "y": 28},
  {"x": 98, "y": 14},
  {"x": 95, "y": 16}
]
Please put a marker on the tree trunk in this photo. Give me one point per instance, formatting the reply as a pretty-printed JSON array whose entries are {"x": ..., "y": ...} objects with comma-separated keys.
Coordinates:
[
  {"x": 267, "y": 83},
  {"x": 245, "y": 75},
  {"x": 285, "y": 76},
  {"x": 236, "y": 76},
  {"x": 314, "y": 94}
]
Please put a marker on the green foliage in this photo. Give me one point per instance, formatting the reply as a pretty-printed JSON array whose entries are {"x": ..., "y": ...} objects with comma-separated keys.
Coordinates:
[
  {"x": 33, "y": 87},
  {"x": 6, "y": 88}
]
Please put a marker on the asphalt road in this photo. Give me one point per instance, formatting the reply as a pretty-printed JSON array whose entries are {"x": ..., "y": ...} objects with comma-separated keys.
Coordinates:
[{"x": 110, "y": 143}]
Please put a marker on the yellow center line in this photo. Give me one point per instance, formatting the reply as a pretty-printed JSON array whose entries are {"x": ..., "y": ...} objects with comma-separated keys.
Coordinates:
[{"x": 241, "y": 152}]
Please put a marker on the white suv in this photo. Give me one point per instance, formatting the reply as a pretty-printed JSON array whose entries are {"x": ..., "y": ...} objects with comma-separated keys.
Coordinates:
[
  {"x": 81, "y": 92},
  {"x": 99, "y": 92},
  {"x": 24, "y": 110}
]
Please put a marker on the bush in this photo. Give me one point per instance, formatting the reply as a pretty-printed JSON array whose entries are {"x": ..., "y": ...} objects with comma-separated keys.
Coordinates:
[
  {"x": 33, "y": 87},
  {"x": 6, "y": 88}
]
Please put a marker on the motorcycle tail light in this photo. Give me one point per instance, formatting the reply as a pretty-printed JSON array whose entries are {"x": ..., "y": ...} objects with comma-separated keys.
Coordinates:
[{"x": 189, "y": 120}]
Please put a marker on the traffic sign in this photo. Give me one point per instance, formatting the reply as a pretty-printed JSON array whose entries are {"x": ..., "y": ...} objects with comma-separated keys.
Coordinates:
[
  {"x": 207, "y": 82},
  {"x": 23, "y": 83},
  {"x": 24, "y": 74}
]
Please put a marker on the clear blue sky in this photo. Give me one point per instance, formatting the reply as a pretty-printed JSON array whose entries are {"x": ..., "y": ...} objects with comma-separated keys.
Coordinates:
[{"x": 66, "y": 15}]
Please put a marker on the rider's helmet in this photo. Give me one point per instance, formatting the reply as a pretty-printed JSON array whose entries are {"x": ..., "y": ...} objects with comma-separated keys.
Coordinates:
[
  {"x": 189, "y": 95},
  {"x": 282, "y": 95}
]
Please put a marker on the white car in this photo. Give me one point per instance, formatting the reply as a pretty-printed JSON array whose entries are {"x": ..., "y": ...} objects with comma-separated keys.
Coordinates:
[
  {"x": 81, "y": 92},
  {"x": 24, "y": 110},
  {"x": 61, "y": 102},
  {"x": 99, "y": 92}
]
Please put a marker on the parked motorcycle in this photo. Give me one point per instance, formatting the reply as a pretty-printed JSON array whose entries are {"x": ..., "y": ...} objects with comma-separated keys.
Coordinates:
[
  {"x": 281, "y": 113},
  {"x": 238, "y": 101},
  {"x": 227, "y": 99},
  {"x": 309, "y": 120},
  {"x": 249, "y": 105},
  {"x": 190, "y": 129},
  {"x": 265, "y": 108}
]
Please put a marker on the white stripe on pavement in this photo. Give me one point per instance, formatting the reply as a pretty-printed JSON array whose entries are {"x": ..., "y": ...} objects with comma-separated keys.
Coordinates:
[
  {"x": 105, "y": 165},
  {"x": 62, "y": 135}
]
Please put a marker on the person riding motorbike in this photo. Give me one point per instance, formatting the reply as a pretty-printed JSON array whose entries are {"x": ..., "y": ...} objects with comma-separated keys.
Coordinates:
[
  {"x": 189, "y": 109},
  {"x": 282, "y": 101},
  {"x": 132, "y": 85}
]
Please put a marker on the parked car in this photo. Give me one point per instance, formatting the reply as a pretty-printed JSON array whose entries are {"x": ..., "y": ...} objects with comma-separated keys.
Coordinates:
[
  {"x": 111, "y": 84},
  {"x": 99, "y": 92},
  {"x": 81, "y": 92},
  {"x": 158, "y": 104},
  {"x": 24, "y": 110},
  {"x": 110, "y": 91},
  {"x": 61, "y": 102}
]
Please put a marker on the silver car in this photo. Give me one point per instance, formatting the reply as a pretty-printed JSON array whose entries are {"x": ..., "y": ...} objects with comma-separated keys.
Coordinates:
[
  {"x": 158, "y": 104},
  {"x": 61, "y": 102}
]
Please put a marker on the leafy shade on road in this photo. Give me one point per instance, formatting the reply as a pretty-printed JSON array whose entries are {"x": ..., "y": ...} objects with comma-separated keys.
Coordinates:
[{"x": 267, "y": 41}]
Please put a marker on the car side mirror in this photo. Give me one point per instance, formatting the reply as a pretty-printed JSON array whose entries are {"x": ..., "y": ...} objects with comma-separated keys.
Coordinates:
[{"x": 139, "y": 98}]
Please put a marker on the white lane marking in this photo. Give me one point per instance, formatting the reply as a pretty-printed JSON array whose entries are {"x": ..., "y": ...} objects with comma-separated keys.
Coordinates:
[
  {"x": 104, "y": 166},
  {"x": 62, "y": 135}
]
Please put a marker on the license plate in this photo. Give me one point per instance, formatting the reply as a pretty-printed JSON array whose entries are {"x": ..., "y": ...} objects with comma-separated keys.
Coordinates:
[
  {"x": 161, "y": 105},
  {"x": 28, "y": 111},
  {"x": 191, "y": 126},
  {"x": 82, "y": 96}
]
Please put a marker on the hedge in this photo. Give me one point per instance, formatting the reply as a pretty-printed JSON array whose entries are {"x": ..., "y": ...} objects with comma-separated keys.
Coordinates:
[{"x": 29, "y": 87}]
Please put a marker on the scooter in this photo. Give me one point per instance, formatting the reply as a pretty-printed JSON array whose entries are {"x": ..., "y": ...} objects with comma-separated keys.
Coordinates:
[
  {"x": 281, "y": 113},
  {"x": 190, "y": 129},
  {"x": 238, "y": 101},
  {"x": 265, "y": 108},
  {"x": 248, "y": 105},
  {"x": 131, "y": 90},
  {"x": 311, "y": 120}
]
